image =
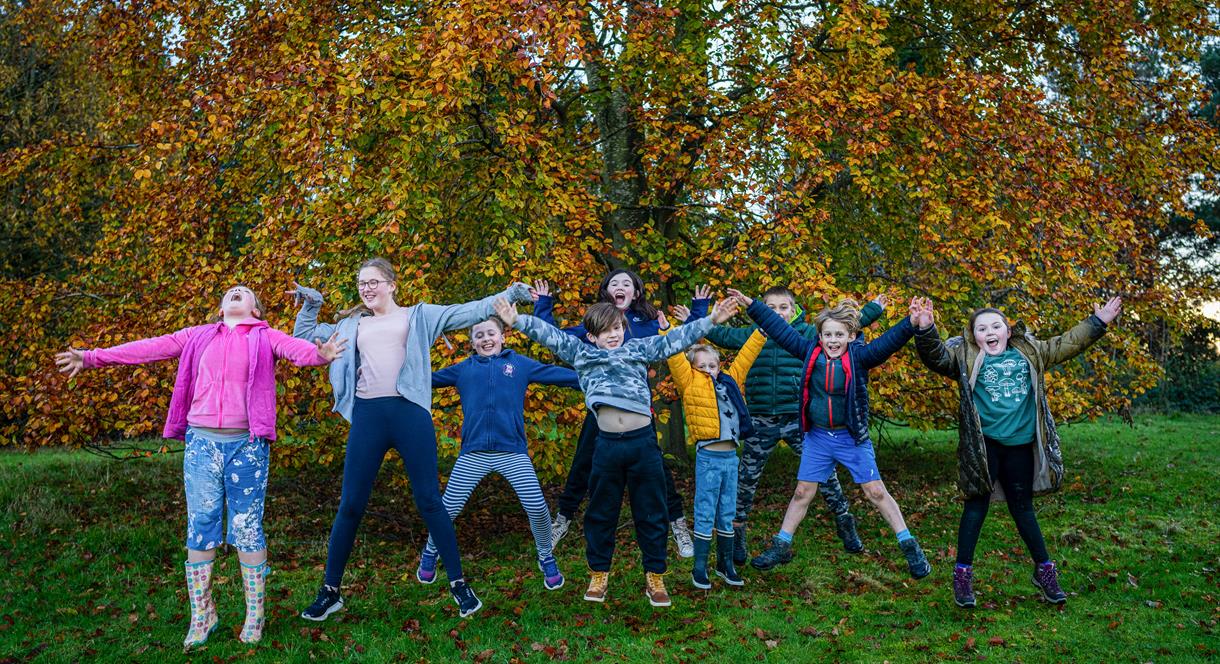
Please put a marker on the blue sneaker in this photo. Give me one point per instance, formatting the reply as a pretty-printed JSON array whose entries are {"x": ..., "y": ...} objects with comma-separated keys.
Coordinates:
[
  {"x": 551, "y": 576},
  {"x": 426, "y": 572},
  {"x": 466, "y": 600}
]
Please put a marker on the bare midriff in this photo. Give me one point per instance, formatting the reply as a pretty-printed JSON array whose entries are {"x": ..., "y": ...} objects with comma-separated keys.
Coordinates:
[{"x": 617, "y": 420}]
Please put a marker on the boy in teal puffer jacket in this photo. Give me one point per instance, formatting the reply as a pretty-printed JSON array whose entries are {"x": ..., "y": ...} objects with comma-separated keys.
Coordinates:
[{"x": 773, "y": 393}]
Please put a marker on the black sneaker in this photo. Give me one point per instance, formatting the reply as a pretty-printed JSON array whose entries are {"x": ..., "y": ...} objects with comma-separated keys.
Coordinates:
[
  {"x": 917, "y": 562},
  {"x": 328, "y": 602},
  {"x": 845, "y": 526},
  {"x": 466, "y": 600},
  {"x": 779, "y": 553}
]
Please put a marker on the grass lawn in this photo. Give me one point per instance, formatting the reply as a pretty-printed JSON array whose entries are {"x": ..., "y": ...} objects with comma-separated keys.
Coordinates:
[{"x": 95, "y": 569}]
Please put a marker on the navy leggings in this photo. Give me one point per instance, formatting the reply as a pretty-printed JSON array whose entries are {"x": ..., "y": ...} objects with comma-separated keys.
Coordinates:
[
  {"x": 377, "y": 425},
  {"x": 1013, "y": 467}
]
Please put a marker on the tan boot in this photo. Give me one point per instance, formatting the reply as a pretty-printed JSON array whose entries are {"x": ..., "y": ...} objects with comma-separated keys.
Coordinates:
[
  {"x": 254, "y": 582},
  {"x": 599, "y": 583},
  {"x": 203, "y": 611},
  {"x": 655, "y": 589}
]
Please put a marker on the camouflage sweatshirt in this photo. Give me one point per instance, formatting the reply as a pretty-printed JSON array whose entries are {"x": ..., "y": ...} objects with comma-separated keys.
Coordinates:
[{"x": 615, "y": 377}]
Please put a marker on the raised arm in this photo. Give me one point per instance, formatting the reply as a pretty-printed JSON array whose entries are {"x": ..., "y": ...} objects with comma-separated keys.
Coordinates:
[
  {"x": 544, "y": 308},
  {"x": 307, "y": 326},
  {"x": 565, "y": 346},
  {"x": 552, "y": 374},
  {"x": 872, "y": 311},
  {"x": 651, "y": 349},
  {"x": 745, "y": 358},
  {"x": 780, "y": 331},
  {"x": 1075, "y": 341},
  {"x": 155, "y": 349},
  {"x": 679, "y": 366},
  {"x": 934, "y": 354},
  {"x": 303, "y": 353},
  {"x": 442, "y": 318}
]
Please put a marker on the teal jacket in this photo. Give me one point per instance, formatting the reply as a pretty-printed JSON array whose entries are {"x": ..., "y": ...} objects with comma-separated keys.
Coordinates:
[{"x": 773, "y": 386}]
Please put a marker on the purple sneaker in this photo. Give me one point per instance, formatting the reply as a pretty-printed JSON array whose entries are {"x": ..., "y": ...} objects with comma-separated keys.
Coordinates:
[
  {"x": 1046, "y": 578},
  {"x": 963, "y": 586},
  {"x": 426, "y": 572},
  {"x": 551, "y": 577}
]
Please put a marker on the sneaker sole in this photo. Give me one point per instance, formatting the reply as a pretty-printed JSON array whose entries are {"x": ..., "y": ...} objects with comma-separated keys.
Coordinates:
[
  {"x": 337, "y": 606},
  {"x": 920, "y": 576},
  {"x": 424, "y": 581},
  {"x": 736, "y": 583},
  {"x": 964, "y": 605},
  {"x": 463, "y": 614},
  {"x": 554, "y": 587},
  {"x": 595, "y": 599},
  {"x": 764, "y": 568},
  {"x": 700, "y": 586},
  {"x": 656, "y": 603}
]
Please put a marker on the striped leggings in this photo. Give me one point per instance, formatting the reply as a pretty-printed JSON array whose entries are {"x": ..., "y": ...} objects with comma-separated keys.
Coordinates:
[{"x": 470, "y": 469}]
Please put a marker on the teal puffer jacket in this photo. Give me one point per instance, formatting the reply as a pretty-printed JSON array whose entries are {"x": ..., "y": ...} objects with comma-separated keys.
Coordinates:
[{"x": 773, "y": 386}]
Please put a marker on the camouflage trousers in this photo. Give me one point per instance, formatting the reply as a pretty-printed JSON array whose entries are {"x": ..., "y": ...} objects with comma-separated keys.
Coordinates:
[{"x": 768, "y": 431}]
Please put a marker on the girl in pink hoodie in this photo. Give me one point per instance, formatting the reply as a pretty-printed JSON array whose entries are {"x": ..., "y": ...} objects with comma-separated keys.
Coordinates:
[{"x": 223, "y": 406}]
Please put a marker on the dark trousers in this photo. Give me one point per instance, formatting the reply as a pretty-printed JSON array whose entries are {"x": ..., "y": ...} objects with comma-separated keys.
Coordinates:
[
  {"x": 1013, "y": 467},
  {"x": 377, "y": 425},
  {"x": 630, "y": 461},
  {"x": 577, "y": 484}
]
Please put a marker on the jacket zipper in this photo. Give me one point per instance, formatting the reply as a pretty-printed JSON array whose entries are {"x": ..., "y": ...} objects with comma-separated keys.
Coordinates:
[{"x": 830, "y": 408}]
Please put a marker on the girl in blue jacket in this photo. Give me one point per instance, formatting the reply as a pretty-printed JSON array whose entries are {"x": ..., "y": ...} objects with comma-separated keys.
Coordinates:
[{"x": 491, "y": 385}]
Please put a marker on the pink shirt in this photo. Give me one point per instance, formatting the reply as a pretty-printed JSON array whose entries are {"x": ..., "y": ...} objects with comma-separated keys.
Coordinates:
[
  {"x": 220, "y": 385},
  {"x": 382, "y": 344}
]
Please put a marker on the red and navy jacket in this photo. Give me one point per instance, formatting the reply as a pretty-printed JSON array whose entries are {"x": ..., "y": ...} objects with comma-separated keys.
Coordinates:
[{"x": 859, "y": 358}]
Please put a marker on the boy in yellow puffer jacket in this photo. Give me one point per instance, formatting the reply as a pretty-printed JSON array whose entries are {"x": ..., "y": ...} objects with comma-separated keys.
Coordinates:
[{"x": 716, "y": 420}]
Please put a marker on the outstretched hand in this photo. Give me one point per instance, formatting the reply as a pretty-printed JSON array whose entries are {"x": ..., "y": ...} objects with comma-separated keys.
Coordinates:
[
  {"x": 332, "y": 349},
  {"x": 882, "y": 300},
  {"x": 302, "y": 294},
  {"x": 681, "y": 312},
  {"x": 740, "y": 297},
  {"x": 542, "y": 288},
  {"x": 724, "y": 310},
  {"x": 703, "y": 292},
  {"x": 507, "y": 311},
  {"x": 1109, "y": 311},
  {"x": 922, "y": 314},
  {"x": 71, "y": 362},
  {"x": 662, "y": 321}
]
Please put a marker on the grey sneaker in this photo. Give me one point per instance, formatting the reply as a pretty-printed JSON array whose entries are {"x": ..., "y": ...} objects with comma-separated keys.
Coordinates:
[
  {"x": 559, "y": 529},
  {"x": 963, "y": 586},
  {"x": 917, "y": 563},
  {"x": 845, "y": 525},
  {"x": 1046, "y": 578},
  {"x": 682, "y": 537},
  {"x": 779, "y": 553}
]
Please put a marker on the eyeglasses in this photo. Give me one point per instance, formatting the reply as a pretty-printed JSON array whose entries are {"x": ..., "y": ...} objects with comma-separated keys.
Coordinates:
[{"x": 371, "y": 284}]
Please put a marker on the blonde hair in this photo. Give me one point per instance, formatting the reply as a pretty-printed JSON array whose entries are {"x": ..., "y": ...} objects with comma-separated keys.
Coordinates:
[
  {"x": 701, "y": 348},
  {"x": 846, "y": 313},
  {"x": 381, "y": 265}
]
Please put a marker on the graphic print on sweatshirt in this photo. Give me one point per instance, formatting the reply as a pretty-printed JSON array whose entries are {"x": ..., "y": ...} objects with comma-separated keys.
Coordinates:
[{"x": 1005, "y": 377}]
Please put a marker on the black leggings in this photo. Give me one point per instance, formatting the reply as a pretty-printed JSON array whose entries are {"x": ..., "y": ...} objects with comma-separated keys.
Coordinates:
[{"x": 1013, "y": 466}]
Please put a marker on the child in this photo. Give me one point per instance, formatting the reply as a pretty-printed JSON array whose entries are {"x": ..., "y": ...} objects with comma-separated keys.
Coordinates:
[
  {"x": 773, "y": 392},
  {"x": 834, "y": 417},
  {"x": 385, "y": 391},
  {"x": 716, "y": 418},
  {"x": 223, "y": 406},
  {"x": 625, "y": 290},
  {"x": 1009, "y": 448},
  {"x": 491, "y": 385},
  {"x": 614, "y": 379}
]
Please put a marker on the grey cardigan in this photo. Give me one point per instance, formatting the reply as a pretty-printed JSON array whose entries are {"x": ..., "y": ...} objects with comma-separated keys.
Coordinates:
[{"x": 426, "y": 322}]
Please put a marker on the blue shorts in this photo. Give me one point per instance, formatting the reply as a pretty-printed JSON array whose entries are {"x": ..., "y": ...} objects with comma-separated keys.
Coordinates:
[{"x": 822, "y": 448}]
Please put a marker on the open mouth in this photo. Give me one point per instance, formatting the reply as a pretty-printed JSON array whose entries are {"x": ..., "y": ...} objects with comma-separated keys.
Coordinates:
[
  {"x": 235, "y": 297},
  {"x": 620, "y": 300},
  {"x": 992, "y": 344}
]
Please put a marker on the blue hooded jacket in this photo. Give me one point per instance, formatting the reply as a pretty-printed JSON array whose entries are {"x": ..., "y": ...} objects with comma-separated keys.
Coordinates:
[{"x": 492, "y": 393}]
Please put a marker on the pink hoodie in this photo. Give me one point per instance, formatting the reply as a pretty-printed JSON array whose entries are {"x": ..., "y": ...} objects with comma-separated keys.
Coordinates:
[{"x": 226, "y": 378}]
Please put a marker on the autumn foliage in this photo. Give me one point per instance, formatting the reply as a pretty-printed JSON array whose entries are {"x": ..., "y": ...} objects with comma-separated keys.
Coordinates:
[{"x": 1019, "y": 154}]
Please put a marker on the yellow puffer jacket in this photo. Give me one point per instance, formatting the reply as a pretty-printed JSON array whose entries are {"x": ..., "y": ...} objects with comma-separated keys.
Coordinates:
[{"x": 699, "y": 393}]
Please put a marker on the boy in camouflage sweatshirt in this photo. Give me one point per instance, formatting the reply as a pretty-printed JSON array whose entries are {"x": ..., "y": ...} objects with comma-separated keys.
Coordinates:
[{"x": 612, "y": 374}]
